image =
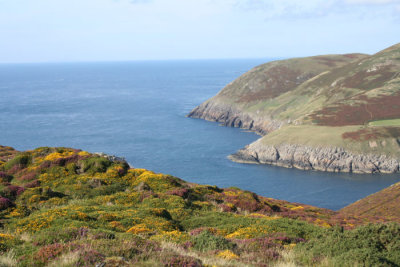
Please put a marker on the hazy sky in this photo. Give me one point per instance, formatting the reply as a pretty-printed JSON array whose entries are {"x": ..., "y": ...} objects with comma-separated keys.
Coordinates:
[{"x": 102, "y": 30}]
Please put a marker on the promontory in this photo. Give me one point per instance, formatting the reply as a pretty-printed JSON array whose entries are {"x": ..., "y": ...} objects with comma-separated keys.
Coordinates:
[{"x": 338, "y": 113}]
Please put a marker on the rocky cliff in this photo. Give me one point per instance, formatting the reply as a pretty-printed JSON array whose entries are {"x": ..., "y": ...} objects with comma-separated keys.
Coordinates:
[
  {"x": 230, "y": 116},
  {"x": 331, "y": 159}
]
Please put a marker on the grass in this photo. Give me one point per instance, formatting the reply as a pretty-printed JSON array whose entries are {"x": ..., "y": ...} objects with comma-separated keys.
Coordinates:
[{"x": 395, "y": 122}]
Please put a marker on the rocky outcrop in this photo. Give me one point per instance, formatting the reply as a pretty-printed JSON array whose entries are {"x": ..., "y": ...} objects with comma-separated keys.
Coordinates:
[
  {"x": 330, "y": 159},
  {"x": 233, "y": 117},
  {"x": 113, "y": 158}
]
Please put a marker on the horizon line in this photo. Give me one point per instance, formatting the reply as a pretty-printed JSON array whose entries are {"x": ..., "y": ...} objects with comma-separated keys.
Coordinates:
[{"x": 137, "y": 60}]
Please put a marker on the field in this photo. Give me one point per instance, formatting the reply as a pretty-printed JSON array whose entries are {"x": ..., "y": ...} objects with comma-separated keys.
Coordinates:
[{"x": 395, "y": 122}]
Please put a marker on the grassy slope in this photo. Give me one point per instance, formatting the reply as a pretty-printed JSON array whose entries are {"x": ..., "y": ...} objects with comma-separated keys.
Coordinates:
[
  {"x": 270, "y": 80},
  {"x": 395, "y": 122},
  {"x": 352, "y": 91},
  {"x": 66, "y": 207}
]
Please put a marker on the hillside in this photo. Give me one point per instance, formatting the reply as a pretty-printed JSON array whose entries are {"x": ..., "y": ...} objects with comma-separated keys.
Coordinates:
[
  {"x": 383, "y": 203},
  {"x": 352, "y": 101},
  {"x": 67, "y": 207}
]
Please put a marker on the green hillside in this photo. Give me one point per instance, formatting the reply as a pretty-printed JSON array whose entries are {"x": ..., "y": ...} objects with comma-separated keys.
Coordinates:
[
  {"x": 273, "y": 79},
  {"x": 351, "y": 100},
  {"x": 67, "y": 207}
]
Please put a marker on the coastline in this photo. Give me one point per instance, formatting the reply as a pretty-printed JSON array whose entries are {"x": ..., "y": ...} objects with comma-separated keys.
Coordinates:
[{"x": 328, "y": 159}]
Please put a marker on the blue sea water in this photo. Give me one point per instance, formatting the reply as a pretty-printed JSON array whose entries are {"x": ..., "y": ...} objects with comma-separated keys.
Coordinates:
[{"x": 137, "y": 110}]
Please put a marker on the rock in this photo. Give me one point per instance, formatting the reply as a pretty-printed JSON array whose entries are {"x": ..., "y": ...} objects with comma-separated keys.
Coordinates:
[
  {"x": 112, "y": 158},
  {"x": 232, "y": 117},
  {"x": 142, "y": 186},
  {"x": 331, "y": 159}
]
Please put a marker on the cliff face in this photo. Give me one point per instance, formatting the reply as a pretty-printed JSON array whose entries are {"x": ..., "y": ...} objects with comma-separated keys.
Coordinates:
[
  {"x": 326, "y": 93},
  {"x": 233, "y": 117},
  {"x": 331, "y": 159}
]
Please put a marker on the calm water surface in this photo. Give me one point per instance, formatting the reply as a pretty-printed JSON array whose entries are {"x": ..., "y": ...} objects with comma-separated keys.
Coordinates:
[{"x": 137, "y": 110}]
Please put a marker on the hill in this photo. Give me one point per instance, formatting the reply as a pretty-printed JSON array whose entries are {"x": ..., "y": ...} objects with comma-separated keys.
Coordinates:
[
  {"x": 329, "y": 113},
  {"x": 67, "y": 207},
  {"x": 381, "y": 204}
]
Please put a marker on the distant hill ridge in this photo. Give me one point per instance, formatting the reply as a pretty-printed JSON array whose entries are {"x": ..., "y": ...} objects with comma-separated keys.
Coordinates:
[{"x": 329, "y": 113}]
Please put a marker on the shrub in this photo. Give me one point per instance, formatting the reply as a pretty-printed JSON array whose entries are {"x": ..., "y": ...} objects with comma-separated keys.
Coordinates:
[
  {"x": 48, "y": 253},
  {"x": 12, "y": 191},
  {"x": 207, "y": 241},
  {"x": 8, "y": 241},
  {"x": 89, "y": 257},
  {"x": 182, "y": 192},
  {"x": 59, "y": 235},
  {"x": 181, "y": 261},
  {"x": 95, "y": 164},
  {"x": 21, "y": 161},
  {"x": 32, "y": 184},
  {"x": 370, "y": 245},
  {"x": 227, "y": 254},
  {"x": 4, "y": 177},
  {"x": 101, "y": 234},
  {"x": 28, "y": 177},
  {"x": 5, "y": 203}
]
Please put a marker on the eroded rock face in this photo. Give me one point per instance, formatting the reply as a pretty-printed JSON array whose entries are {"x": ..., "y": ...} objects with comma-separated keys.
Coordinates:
[
  {"x": 232, "y": 117},
  {"x": 330, "y": 159}
]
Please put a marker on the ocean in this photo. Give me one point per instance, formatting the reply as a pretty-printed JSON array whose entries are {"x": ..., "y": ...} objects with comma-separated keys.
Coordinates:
[{"x": 137, "y": 110}]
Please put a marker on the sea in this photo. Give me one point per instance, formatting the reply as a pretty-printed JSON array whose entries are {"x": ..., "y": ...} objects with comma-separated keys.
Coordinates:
[{"x": 137, "y": 110}]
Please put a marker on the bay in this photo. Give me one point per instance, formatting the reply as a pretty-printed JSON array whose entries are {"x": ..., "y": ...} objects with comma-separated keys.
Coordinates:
[{"x": 137, "y": 110}]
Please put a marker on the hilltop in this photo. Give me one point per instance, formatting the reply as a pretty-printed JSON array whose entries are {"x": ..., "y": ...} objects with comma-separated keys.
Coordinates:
[
  {"x": 67, "y": 207},
  {"x": 329, "y": 113}
]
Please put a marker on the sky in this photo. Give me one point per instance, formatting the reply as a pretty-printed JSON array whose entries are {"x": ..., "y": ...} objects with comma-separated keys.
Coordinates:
[{"x": 125, "y": 30}]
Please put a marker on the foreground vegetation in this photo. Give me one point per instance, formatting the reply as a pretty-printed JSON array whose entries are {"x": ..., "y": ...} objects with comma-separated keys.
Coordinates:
[{"x": 67, "y": 207}]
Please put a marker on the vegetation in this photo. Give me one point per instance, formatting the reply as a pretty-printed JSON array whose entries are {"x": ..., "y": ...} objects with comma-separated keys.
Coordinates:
[
  {"x": 329, "y": 94},
  {"x": 67, "y": 207},
  {"x": 383, "y": 204},
  {"x": 395, "y": 122}
]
